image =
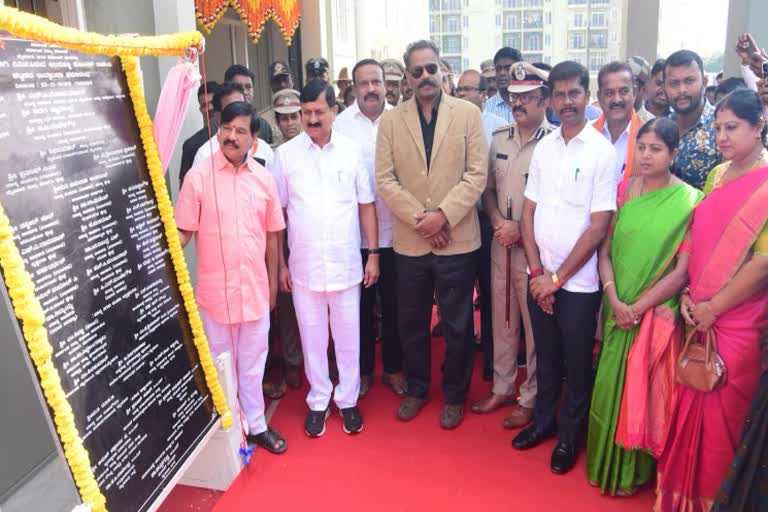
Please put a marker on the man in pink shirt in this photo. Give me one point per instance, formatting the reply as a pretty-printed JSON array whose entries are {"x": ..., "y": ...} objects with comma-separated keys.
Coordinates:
[{"x": 230, "y": 203}]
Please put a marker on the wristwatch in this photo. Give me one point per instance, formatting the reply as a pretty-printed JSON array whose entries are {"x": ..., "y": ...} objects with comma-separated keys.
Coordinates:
[
  {"x": 555, "y": 279},
  {"x": 373, "y": 251}
]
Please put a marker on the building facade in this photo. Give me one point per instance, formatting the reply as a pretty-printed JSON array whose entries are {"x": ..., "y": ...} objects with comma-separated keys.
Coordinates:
[{"x": 592, "y": 32}]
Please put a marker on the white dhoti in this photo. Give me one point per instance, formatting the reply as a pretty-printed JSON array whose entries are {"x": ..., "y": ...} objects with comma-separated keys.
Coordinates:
[
  {"x": 248, "y": 342},
  {"x": 314, "y": 310}
]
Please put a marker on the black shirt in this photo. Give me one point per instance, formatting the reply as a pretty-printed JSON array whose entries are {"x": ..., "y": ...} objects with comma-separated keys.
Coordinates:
[{"x": 428, "y": 129}]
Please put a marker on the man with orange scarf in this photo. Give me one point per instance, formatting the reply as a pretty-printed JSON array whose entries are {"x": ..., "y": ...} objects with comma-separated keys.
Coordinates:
[{"x": 619, "y": 122}]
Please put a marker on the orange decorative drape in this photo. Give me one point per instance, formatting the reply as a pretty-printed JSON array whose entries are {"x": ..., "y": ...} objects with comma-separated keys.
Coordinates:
[{"x": 254, "y": 14}]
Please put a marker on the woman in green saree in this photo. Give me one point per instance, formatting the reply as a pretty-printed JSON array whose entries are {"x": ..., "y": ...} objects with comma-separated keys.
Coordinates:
[{"x": 643, "y": 266}]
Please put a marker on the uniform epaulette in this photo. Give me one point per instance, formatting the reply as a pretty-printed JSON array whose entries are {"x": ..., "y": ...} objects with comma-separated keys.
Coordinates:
[
  {"x": 540, "y": 133},
  {"x": 507, "y": 128}
]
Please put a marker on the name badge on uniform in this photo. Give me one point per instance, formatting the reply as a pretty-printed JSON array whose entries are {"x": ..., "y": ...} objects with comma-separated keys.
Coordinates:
[{"x": 501, "y": 156}]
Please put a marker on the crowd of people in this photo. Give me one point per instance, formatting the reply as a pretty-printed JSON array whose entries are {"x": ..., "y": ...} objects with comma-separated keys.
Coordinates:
[{"x": 638, "y": 221}]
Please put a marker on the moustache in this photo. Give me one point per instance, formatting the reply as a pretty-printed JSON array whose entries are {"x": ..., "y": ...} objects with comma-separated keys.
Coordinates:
[
  {"x": 683, "y": 97},
  {"x": 567, "y": 110},
  {"x": 231, "y": 143},
  {"x": 427, "y": 82},
  {"x": 371, "y": 96},
  {"x": 314, "y": 125},
  {"x": 619, "y": 104},
  {"x": 519, "y": 109}
]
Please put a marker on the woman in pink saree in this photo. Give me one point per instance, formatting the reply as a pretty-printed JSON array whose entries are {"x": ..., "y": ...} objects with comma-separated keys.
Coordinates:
[{"x": 728, "y": 274}]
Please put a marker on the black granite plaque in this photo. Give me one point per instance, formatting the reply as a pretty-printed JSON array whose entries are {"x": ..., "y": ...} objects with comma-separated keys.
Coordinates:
[{"x": 74, "y": 183}]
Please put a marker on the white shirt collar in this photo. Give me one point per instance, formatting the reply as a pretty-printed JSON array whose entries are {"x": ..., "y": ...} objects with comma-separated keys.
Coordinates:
[
  {"x": 607, "y": 133},
  {"x": 356, "y": 112},
  {"x": 309, "y": 143}
]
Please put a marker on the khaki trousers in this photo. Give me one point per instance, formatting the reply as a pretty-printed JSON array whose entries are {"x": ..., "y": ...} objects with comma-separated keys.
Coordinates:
[{"x": 506, "y": 342}]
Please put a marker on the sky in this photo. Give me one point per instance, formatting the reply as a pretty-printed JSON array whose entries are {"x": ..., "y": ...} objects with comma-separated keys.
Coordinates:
[{"x": 701, "y": 29}]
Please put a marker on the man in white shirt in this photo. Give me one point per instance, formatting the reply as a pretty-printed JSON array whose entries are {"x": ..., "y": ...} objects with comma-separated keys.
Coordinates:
[
  {"x": 619, "y": 122},
  {"x": 360, "y": 122},
  {"x": 326, "y": 192},
  {"x": 229, "y": 92},
  {"x": 569, "y": 200}
]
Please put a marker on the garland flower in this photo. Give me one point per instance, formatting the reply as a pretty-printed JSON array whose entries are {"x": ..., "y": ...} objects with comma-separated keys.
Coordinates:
[
  {"x": 29, "y": 311},
  {"x": 164, "y": 205},
  {"x": 29, "y": 26},
  {"x": 21, "y": 289}
]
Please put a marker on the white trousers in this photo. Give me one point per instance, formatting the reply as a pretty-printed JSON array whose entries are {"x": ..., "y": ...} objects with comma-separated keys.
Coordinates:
[
  {"x": 248, "y": 342},
  {"x": 313, "y": 312}
]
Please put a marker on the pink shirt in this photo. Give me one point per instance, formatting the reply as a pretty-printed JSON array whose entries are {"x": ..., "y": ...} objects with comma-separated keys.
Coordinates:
[{"x": 248, "y": 207}]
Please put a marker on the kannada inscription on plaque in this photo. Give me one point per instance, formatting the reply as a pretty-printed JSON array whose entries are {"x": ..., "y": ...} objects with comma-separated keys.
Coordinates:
[{"x": 75, "y": 186}]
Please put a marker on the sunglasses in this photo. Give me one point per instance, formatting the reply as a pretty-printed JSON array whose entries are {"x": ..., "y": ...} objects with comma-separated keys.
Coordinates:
[{"x": 430, "y": 68}]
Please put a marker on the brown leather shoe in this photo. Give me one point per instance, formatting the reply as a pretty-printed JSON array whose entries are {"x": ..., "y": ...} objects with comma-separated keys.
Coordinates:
[
  {"x": 493, "y": 402},
  {"x": 366, "y": 381},
  {"x": 410, "y": 407},
  {"x": 396, "y": 381},
  {"x": 519, "y": 417},
  {"x": 452, "y": 416},
  {"x": 293, "y": 376}
]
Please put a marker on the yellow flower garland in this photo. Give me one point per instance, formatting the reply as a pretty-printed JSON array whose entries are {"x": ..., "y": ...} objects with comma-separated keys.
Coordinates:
[
  {"x": 18, "y": 281},
  {"x": 165, "y": 207}
]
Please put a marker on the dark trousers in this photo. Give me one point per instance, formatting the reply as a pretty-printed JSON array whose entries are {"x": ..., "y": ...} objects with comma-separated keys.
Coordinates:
[
  {"x": 451, "y": 280},
  {"x": 391, "y": 349},
  {"x": 484, "y": 285},
  {"x": 564, "y": 343}
]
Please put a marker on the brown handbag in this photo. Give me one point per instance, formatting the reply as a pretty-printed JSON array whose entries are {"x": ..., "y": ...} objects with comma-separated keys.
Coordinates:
[{"x": 699, "y": 366}]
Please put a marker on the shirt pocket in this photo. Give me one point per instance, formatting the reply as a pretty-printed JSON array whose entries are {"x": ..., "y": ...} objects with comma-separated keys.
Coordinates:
[
  {"x": 342, "y": 185},
  {"x": 578, "y": 186}
]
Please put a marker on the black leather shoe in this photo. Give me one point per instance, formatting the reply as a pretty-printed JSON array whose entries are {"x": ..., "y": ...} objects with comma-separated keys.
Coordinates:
[
  {"x": 563, "y": 458},
  {"x": 531, "y": 437}
]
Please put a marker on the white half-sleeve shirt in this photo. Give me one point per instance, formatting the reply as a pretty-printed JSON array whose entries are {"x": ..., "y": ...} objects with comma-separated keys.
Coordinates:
[
  {"x": 569, "y": 182},
  {"x": 321, "y": 188},
  {"x": 355, "y": 125}
]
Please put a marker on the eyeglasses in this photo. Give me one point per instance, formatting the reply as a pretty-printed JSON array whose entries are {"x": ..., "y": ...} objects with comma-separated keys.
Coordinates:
[
  {"x": 467, "y": 88},
  {"x": 525, "y": 99},
  {"x": 430, "y": 68}
]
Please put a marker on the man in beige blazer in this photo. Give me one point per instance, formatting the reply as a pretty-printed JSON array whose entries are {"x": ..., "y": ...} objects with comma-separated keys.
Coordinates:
[{"x": 431, "y": 168}]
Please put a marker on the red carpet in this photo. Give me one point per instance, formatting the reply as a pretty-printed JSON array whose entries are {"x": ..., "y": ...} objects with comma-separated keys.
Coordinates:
[{"x": 416, "y": 466}]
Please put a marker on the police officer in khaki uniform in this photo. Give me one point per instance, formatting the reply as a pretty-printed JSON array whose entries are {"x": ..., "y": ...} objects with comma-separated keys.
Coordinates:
[
  {"x": 279, "y": 79},
  {"x": 510, "y": 154}
]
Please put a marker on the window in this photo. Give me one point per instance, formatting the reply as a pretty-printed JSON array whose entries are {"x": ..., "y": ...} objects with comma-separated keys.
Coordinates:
[
  {"x": 465, "y": 63},
  {"x": 597, "y": 61},
  {"x": 451, "y": 5},
  {"x": 547, "y": 40},
  {"x": 549, "y": 18},
  {"x": 434, "y": 5},
  {"x": 598, "y": 39},
  {"x": 533, "y": 3},
  {"x": 579, "y": 20},
  {"x": 465, "y": 21},
  {"x": 599, "y": 19},
  {"x": 533, "y": 19},
  {"x": 451, "y": 44},
  {"x": 498, "y": 20},
  {"x": 454, "y": 63},
  {"x": 512, "y": 40},
  {"x": 577, "y": 2},
  {"x": 532, "y": 42},
  {"x": 512, "y": 4},
  {"x": 512, "y": 21},
  {"x": 451, "y": 23},
  {"x": 594, "y": 2},
  {"x": 434, "y": 23},
  {"x": 533, "y": 57},
  {"x": 577, "y": 41},
  {"x": 465, "y": 43},
  {"x": 576, "y": 57}
]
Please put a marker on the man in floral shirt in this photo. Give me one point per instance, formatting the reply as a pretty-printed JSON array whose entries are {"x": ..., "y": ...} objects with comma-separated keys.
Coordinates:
[{"x": 694, "y": 115}]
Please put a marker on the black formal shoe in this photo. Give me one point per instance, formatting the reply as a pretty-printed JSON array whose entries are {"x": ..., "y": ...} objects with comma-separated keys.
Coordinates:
[
  {"x": 531, "y": 437},
  {"x": 563, "y": 458}
]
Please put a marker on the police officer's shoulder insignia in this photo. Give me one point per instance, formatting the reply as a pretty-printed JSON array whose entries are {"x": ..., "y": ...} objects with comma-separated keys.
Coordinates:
[
  {"x": 506, "y": 128},
  {"x": 540, "y": 133}
]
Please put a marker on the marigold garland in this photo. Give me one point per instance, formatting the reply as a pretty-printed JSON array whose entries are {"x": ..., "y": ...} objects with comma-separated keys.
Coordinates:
[
  {"x": 253, "y": 13},
  {"x": 29, "y": 26},
  {"x": 165, "y": 207},
  {"x": 18, "y": 281}
]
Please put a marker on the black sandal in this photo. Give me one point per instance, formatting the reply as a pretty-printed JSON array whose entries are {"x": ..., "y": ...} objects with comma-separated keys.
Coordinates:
[{"x": 268, "y": 439}]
